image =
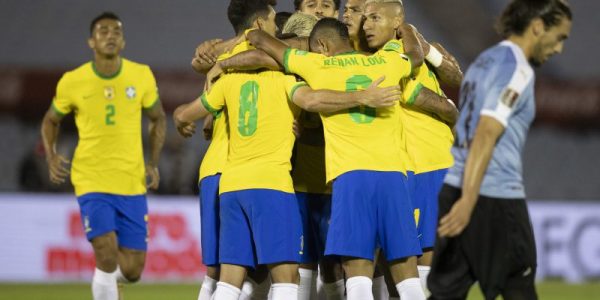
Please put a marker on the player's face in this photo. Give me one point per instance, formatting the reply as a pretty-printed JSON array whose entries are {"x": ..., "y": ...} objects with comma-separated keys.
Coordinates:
[
  {"x": 353, "y": 17},
  {"x": 379, "y": 25},
  {"x": 268, "y": 25},
  {"x": 319, "y": 8},
  {"x": 551, "y": 42},
  {"x": 107, "y": 38}
]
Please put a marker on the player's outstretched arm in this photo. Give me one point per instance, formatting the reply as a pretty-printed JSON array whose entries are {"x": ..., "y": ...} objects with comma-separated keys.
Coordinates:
[
  {"x": 445, "y": 64},
  {"x": 56, "y": 163},
  {"x": 272, "y": 46},
  {"x": 412, "y": 46},
  {"x": 206, "y": 53},
  {"x": 328, "y": 101},
  {"x": 187, "y": 114},
  {"x": 449, "y": 71},
  {"x": 487, "y": 134},
  {"x": 157, "y": 129},
  {"x": 250, "y": 60},
  {"x": 431, "y": 102}
]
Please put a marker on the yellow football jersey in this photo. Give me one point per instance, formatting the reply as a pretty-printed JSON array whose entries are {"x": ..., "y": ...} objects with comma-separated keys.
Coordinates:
[
  {"x": 108, "y": 115},
  {"x": 361, "y": 138},
  {"x": 309, "y": 157},
  {"x": 428, "y": 139},
  {"x": 260, "y": 117},
  {"x": 216, "y": 156}
]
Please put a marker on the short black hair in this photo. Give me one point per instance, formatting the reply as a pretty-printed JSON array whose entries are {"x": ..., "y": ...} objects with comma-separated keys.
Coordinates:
[
  {"x": 280, "y": 20},
  {"x": 297, "y": 4},
  {"x": 242, "y": 13},
  {"x": 105, "y": 15},
  {"x": 329, "y": 27},
  {"x": 519, "y": 14}
]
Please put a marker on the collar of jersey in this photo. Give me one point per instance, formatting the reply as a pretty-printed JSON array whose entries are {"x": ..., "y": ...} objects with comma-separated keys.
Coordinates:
[{"x": 109, "y": 76}]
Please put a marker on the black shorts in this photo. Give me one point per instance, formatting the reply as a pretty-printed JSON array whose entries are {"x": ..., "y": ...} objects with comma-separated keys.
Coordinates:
[{"x": 496, "y": 249}]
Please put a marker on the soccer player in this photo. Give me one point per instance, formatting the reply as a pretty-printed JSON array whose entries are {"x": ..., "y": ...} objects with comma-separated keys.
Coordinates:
[
  {"x": 485, "y": 233},
  {"x": 318, "y": 8},
  {"x": 363, "y": 156},
  {"x": 428, "y": 131},
  {"x": 108, "y": 96},
  {"x": 260, "y": 220}
]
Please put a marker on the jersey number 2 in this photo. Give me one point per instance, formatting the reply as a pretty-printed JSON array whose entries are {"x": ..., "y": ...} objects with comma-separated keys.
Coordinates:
[
  {"x": 248, "y": 113},
  {"x": 360, "y": 114},
  {"x": 110, "y": 114}
]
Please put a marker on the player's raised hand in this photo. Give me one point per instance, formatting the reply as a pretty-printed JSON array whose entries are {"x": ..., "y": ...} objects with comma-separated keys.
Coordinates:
[
  {"x": 424, "y": 43},
  {"x": 207, "y": 52},
  {"x": 57, "y": 169},
  {"x": 153, "y": 177},
  {"x": 374, "y": 96},
  {"x": 457, "y": 219}
]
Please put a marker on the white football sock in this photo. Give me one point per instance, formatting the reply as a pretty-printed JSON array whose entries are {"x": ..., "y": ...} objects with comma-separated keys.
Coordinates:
[
  {"x": 334, "y": 290},
  {"x": 254, "y": 291},
  {"x": 226, "y": 291},
  {"x": 410, "y": 289},
  {"x": 207, "y": 289},
  {"x": 284, "y": 291},
  {"x": 359, "y": 288},
  {"x": 307, "y": 289},
  {"x": 120, "y": 277},
  {"x": 104, "y": 285},
  {"x": 423, "y": 273},
  {"x": 380, "y": 290}
]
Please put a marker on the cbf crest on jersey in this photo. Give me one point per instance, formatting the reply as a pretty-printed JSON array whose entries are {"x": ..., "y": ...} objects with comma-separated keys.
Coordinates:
[
  {"x": 109, "y": 92},
  {"x": 130, "y": 92}
]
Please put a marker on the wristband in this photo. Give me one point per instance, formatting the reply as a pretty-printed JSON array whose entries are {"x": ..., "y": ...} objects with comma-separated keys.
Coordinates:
[{"x": 434, "y": 56}]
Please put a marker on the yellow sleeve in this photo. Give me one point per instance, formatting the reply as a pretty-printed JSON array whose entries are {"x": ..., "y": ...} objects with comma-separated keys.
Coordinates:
[
  {"x": 151, "y": 96},
  {"x": 214, "y": 100},
  {"x": 301, "y": 62},
  {"x": 394, "y": 52},
  {"x": 62, "y": 102},
  {"x": 291, "y": 85},
  {"x": 411, "y": 90}
]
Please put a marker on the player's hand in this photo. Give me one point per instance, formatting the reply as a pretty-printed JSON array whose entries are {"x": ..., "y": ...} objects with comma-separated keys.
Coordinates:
[
  {"x": 206, "y": 52},
  {"x": 424, "y": 44},
  {"x": 374, "y": 96},
  {"x": 297, "y": 128},
  {"x": 57, "y": 169},
  {"x": 455, "y": 221},
  {"x": 153, "y": 176},
  {"x": 207, "y": 127},
  {"x": 185, "y": 129},
  {"x": 215, "y": 72}
]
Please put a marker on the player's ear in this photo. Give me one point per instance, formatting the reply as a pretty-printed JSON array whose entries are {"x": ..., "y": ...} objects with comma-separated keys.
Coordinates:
[
  {"x": 91, "y": 43},
  {"x": 323, "y": 45},
  {"x": 537, "y": 26}
]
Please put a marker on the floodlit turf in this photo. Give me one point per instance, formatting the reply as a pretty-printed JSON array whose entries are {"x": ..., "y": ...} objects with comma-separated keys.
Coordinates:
[{"x": 547, "y": 291}]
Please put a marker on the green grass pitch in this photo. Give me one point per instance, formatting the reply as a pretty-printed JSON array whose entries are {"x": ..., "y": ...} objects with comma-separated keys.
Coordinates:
[{"x": 147, "y": 291}]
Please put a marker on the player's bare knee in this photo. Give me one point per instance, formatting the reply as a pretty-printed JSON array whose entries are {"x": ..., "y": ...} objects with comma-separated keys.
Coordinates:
[
  {"x": 212, "y": 272},
  {"x": 357, "y": 267},
  {"x": 284, "y": 273}
]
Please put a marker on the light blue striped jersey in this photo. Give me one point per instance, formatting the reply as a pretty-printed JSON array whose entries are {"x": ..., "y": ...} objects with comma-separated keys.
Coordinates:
[{"x": 499, "y": 84}]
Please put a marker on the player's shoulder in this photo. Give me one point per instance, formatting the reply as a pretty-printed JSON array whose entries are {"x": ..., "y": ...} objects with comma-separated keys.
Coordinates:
[
  {"x": 78, "y": 74},
  {"x": 514, "y": 64},
  {"x": 393, "y": 45},
  {"x": 135, "y": 66}
]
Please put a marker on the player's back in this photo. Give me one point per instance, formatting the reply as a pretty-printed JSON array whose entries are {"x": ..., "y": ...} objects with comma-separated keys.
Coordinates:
[
  {"x": 360, "y": 138},
  {"x": 260, "y": 119},
  {"x": 498, "y": 84},
  {"x": 108, "y": 110}
]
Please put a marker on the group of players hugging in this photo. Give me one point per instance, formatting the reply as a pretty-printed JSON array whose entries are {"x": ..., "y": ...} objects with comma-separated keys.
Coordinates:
[{"x": 337, "y": 167}]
